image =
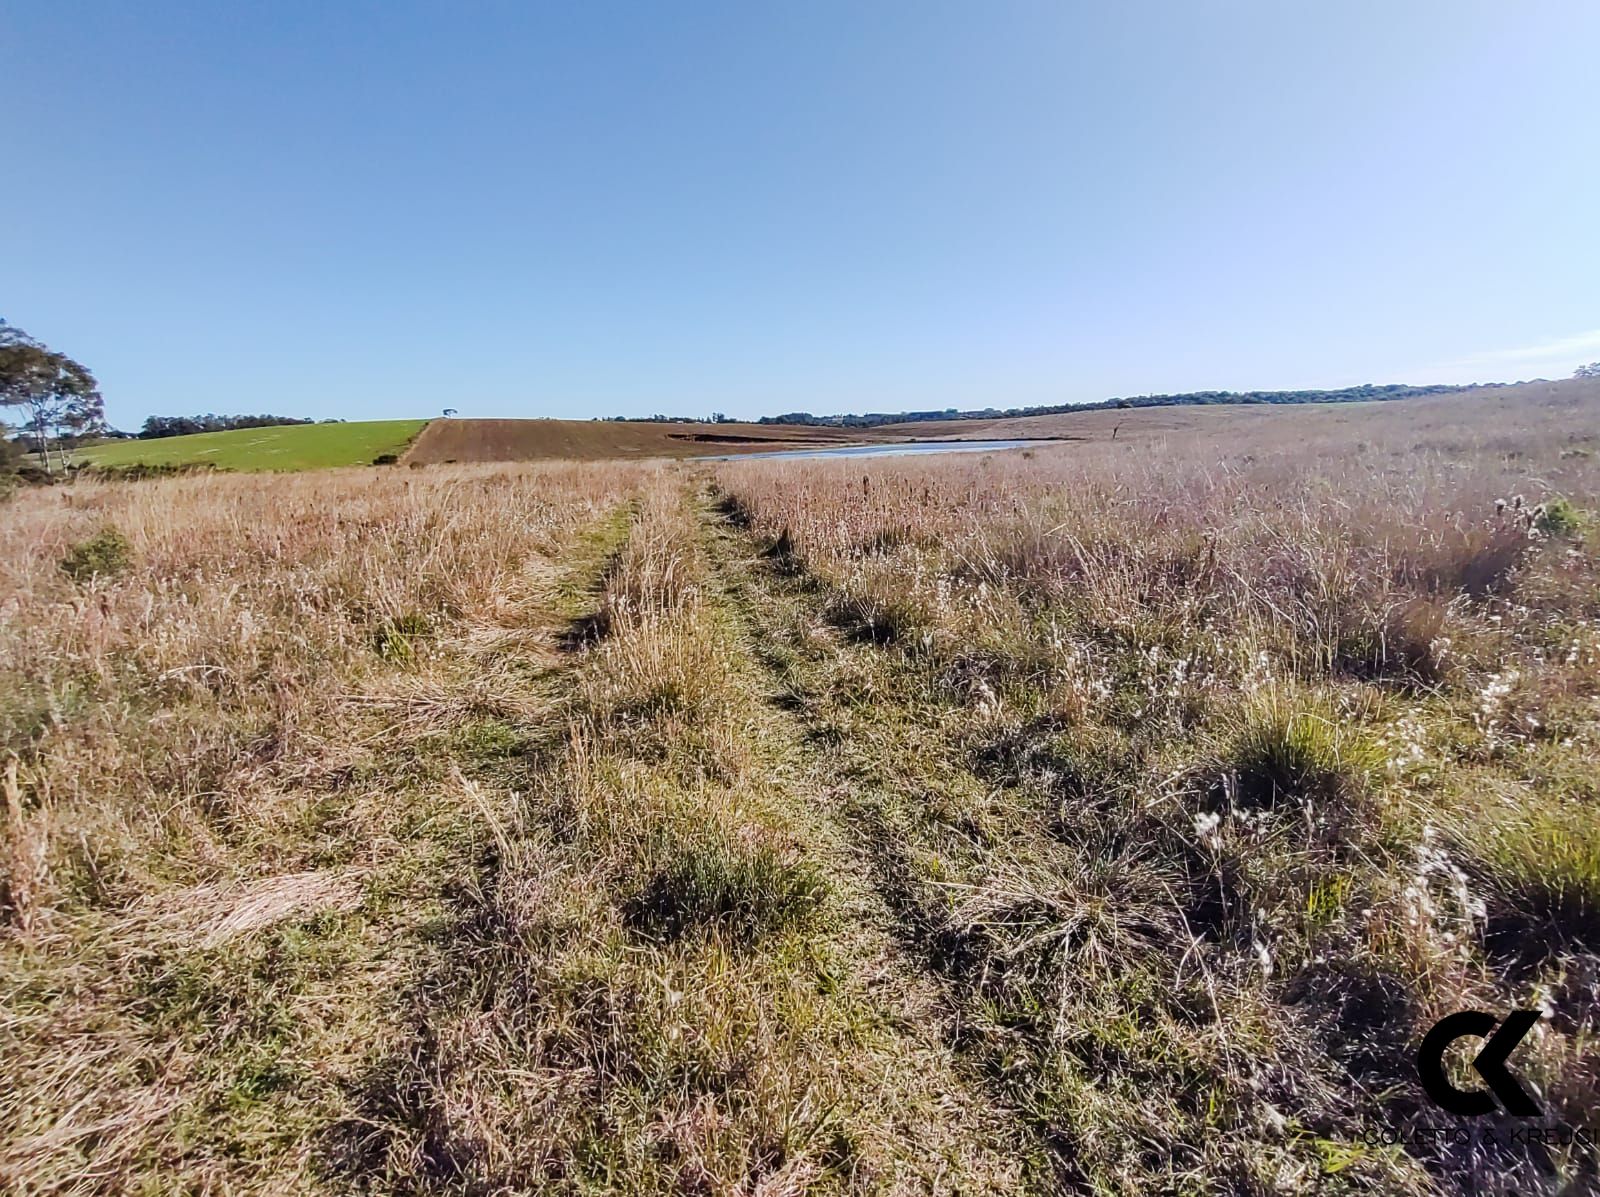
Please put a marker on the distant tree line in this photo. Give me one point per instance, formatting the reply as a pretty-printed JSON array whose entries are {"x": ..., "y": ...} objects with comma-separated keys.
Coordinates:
[
  {"x": 715, "y": 417},
  {"x": 157, "y": 427},
  {"x": 1368, "y": 391}
]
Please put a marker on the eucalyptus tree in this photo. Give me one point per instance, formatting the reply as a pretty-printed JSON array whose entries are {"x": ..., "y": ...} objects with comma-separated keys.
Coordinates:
[{"x": 58, "y": 398}]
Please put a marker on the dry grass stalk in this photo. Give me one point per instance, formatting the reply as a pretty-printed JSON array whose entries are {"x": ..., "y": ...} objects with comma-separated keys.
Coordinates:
[
  {"x": 271, "y": 900},
  {"x": 24, "y": 853}
]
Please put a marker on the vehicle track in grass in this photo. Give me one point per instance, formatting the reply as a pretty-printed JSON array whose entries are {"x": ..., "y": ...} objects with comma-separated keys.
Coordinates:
[
  {"x": 560, "y": 1043},
  {"x": 951, "y": 1138},
  {"x": 853, "y": 820},
  {"x": 396, "y": 1132}
]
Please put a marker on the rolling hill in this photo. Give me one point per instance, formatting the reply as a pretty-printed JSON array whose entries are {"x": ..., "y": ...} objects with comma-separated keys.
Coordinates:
[
  {"x": 436, "y": 442},
  {"x": 290, "y": 447}
]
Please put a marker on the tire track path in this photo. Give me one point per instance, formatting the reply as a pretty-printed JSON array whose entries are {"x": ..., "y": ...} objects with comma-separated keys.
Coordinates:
[{"x": 855, "y": 826}]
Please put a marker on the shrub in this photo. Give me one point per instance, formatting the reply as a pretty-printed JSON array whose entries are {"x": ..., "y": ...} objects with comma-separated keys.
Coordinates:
[
  {"x": 105, "y": 554},
  {"x": 386, "y": 459},
  {"x": 35, "y": 475},
  {"x": 1558, "y": 517},
  {"x": 156, "y": 427},
  {"x": 139, "y": 471},
  {"x": 10, "y": 460}
]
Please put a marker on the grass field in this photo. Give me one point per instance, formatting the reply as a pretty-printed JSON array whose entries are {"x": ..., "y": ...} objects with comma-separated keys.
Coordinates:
[
  {"x": 1107, "y": 817},
  {"x": 290, "y": 447}
]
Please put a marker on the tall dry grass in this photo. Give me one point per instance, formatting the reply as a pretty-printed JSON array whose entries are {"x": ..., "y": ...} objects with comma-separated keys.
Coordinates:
[
  {"x": 151, "y": 709},
  {"x": 659, "y": 991},
  {"x": 198, "y": 678},
  {"x": 1307, "y": 709}
]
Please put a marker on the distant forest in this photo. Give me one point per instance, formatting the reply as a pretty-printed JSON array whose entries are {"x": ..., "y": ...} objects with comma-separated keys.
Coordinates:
[
  {"x": 157, "y": 427},
  {"x": 1367, "y": 391}
]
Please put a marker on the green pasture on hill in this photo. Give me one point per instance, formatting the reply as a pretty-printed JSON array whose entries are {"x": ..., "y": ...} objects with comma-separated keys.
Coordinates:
[{"x": 289, "y": 447}]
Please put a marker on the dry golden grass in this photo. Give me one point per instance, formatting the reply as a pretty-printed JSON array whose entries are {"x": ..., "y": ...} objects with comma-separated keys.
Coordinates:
[
  {"x": 658, "y": 989},
  {"x": 1110, "y": 817},
  {"x": 1303, "y": 712},
  {"x": 206, "y": 674},
  {"x": 202, "y": 833}
]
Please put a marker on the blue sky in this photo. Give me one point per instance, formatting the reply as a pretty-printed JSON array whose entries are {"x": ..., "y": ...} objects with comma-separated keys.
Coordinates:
[{"x": 383, "y": 209}]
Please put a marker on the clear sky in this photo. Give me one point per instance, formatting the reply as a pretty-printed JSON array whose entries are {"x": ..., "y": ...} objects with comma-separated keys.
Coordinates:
[{"x": 386, "y": 208}]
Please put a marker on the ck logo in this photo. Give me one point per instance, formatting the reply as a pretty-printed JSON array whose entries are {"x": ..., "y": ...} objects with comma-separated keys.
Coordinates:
[{"x": 1490, "y": 1063}]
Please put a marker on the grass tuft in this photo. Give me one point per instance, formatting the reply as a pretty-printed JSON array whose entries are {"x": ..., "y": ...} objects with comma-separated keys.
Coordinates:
[
  {"x": 396, "y": 638},
  {"x": 875, "y": 619},
  {"x": 739, "y": 893},
  {"x": 1403, "y": 641},
  {"x": 1282, "y": 752},
  {"x": 785, "y": 554},
  {"x": 1541, "y": 875}
]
